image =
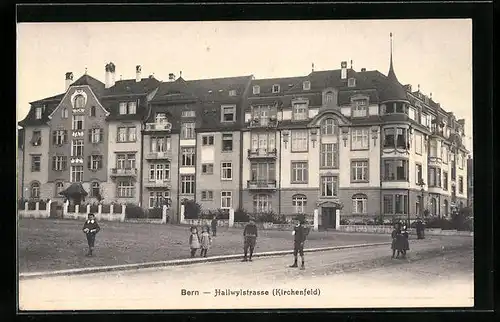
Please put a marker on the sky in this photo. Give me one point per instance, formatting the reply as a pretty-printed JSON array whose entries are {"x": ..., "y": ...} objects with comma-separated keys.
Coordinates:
[{"x": 437, "y": 54}]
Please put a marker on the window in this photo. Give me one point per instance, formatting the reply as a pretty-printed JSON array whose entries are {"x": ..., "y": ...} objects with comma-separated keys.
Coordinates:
[
  {"x": 256, "y": 89},
  {"x": 433, "y": 149},
  {"x": 38, "y": 113},
  {"x": 351, "y": 82},
  {"x": 329, "y": 127},
  {"x": 359, "y": 204},
  {"x": 127, "y": 134},
  {"x": 160, "y": 118},
  {"x": 159, "y": 171},
  {"x": 35, "y": 190},
  {"x": 94, "y": 162},
  {"x": 445, "y": 207},
  {"x": 226, "y": 199},
  {"x": 329, "y": 98},
  {"x": 306, "y": 85},
  {"x": 262, "y": 171},
  {"x": 160, "y": 144},
  {"x": 79, "y": 101},
  {"x": 232, "y": 92},
  {"x": 299, "y": 172},
  {"x": 207, "y": 195},
  {"x": 329, "y": 186},
  {"x": 300, "y": 111},
  {"x": 401, "y": 141},
  {"x": 395, "y": 170},
  {"x": 263, "y": 114},
  {"x": 359, "y": 108},
  {"x": 126, "y": 189},
  {"x": 36, "y": 162},
  {"x": 187, "y": 131},
  {"x": 261, "y": 203},
  {"x": 188, "y": 157},
  {"x": 77, "y": 148},
  {"x": 207, "y": 140},
  {"x": 389, "y": 137},
  {"x": 125, "y": 161},
  {"x": 64, "y": 113},
  {"x": 460, "y": 185},
  {"x": 77, "y": 122},
  {"x": 359, "y": 139},
  {"x": 264, "y": 142},
  {"x": 418, "y": 174},
  {"x": 188, "y": 114},
  {"x": 359, "y": 171},
  {"x": 92, "y": 111},
  {"x": 276, "y": 88},
  {"x": 159, "y": 198},
  {"x": 329, "y": 155},
  {"x": 187, "y": 184},
  {"x": 227, "y": 171},
  {"x": 36, "y": 139},
  {"x": 95, "y": 190},
  {"x": 59, "y": 163},
  {"x": 128, "y": 107},
  {"x": 299, "y": 203},
  {"x": 59, "y": 188},
  {"x": 419, "y": 142},
  {"x": 396, "y": 204},
  {"x": 434, "y": 210},
  {"x": 207, "y": 168},
  {"x": 434, "y": 175},
  {"x": 227, "y": 142},
  {"x": 388, "y": 204},
  {"x": 445, "y": 180},
  {"x": 59, "y": 137},
  {"x": 228, "y": 113},
  {"x": 96, "y": 135},
  {"x": 444, "y": 154},
  {"x": 299, "y": 141},
  {"x": 76, "y": 173}
]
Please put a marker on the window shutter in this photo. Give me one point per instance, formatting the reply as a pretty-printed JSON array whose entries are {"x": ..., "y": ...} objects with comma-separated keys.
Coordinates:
[
  {"x": 101, "y": 135},
  {"x": 54, "y": 137},
  {"x": 53, "y": 163},
  {"x": 65, "y": 136},
  {"x": 90, "y": 135},
  {"x": 100, "y": 162},
  {"x": 64, "y": 162},
  {"x": 89, "y": 162}
]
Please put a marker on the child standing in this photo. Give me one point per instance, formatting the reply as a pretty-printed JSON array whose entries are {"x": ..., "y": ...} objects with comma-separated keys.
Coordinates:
[
  {"x": 206, "y": 241},
  {"x": 396, "y": 240},
  {"x": 91, "y": 228},
  {"x": 194, "y": 241}
]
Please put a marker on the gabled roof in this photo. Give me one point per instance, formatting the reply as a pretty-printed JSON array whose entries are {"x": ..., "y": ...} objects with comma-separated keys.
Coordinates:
[
  {"x": 217, "y": 89},
  {"x": 178, "y": 90},
  {"x": 96, "y": 85},
  {"x": 266, "y": 85},
  {"x": 131, "y": 86}
]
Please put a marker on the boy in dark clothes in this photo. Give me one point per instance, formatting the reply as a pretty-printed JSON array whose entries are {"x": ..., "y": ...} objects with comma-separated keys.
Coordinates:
[
  {"x": 300, "y": 233},
  {"x": 91, "y": 228},
  {"x": 214, "y": 226},
  {"x": 396, "y": 240},
  {"x": 250, "y": 237}
]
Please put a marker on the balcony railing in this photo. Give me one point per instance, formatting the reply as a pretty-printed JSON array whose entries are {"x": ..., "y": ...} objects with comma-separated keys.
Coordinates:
[
  {"x": 124, "y": 172},
  {"x": 158, "y": 184},
  {"x": 261, "y": 184},
  {"x": 164, "y": 155},
  {"x": 263, "y": 122},
  {"x": 261, "y": 153},
  {"x": 158, "y": 127}
]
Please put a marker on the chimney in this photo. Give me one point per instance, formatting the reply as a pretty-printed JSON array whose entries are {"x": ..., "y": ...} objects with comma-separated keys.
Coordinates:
[
  {"x": 171, "y": 77},
  {"x": 363, "y": 69},
  {"x": 343, "y": 71},
  {"x": 112, "y": 70},
  {"x": 408, "y": 87},
  {"x": 107, "y": 76},
  {"x": 138, "y": 73},
  {"x": 69, "y": 80}
]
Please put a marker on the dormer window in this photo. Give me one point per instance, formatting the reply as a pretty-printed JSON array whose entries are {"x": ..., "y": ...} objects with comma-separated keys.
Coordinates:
[
  {"x": 79, "y": 101},
  {"x": 38, "y": 113},
  {"x": 64, "y": 113},
  {"x": 228, "y": 113},
  {"x": 188, "y": 114},
  {"x": 351, "y": 82},
  {"x": 359, "y": 108},
  {"x": 160, "y": 118},
  {"x": 306, "y": 85},
  {"x": 300, "y": 111},
  {"x": 256, "y": 89},
  {"x": 232, "y": 92},
  {"x": 329, "y": 98},
  {"x": 276, "y": 88},
  {"x": 128, "y": 108},
  {"x": 397, "y": 107}
]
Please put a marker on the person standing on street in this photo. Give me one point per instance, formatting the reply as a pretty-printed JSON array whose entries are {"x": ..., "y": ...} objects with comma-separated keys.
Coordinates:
[
  {"x": 405, "y": 245},
  {"x": 396, "y": 233},
  {"x": 249, "y": 240},
  {"x": 91, "y": 228},
  {"x": 214, "y": 226},
  {"x": 300, "y": 234}
]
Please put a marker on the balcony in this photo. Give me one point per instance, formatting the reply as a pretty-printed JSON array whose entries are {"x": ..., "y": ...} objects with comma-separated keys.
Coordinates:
[
  {"x": 271, "y": 122},
  {"x": 158, "y": 127},
  {"x": 268, "y": 185},
  {"x": 124, "y": 172},
  {"x": 164, "y": 184},
  {"x": 164, "y": 155},
  {"x": 262, "y": 154}
]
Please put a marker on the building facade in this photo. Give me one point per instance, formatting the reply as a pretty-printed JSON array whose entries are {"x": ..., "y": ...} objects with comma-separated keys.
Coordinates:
[{"x": 358, "y": 141}]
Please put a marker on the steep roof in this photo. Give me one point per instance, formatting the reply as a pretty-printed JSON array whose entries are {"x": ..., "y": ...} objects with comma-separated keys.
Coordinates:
[
  {"x": 96, "y": 85},
  {"x": 131, "y": 86},
  {"x": 266, "y": 85}
]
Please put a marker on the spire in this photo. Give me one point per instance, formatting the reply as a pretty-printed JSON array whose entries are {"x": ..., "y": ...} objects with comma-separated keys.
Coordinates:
[
  {"x": 391, "y": 66},
  {"x": 393, "y": 90}
]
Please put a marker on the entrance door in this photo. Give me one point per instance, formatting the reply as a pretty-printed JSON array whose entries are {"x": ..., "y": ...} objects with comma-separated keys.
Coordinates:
[{"x": 328, "y": 215}]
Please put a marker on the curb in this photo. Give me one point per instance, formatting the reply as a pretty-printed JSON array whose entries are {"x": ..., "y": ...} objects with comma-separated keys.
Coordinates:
[{"x": 176, "y": 262}]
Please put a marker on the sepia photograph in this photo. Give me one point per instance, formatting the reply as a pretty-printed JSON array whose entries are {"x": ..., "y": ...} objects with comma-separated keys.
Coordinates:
[{"x": 205, "y": 165}]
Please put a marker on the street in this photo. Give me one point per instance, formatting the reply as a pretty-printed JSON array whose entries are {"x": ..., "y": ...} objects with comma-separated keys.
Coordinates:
[{"x": 438, "y": 272}]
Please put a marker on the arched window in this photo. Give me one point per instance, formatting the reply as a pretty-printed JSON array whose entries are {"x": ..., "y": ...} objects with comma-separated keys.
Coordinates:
[
  {"x": 92, "y": 111},
  {"x": 79, "y": 101},
  {"x": 59, "y": 188},
  {"x": 329, "y": 126},
  {"x": 299, "y": 203},
  {"x": 445, "y": 206},
  {"x": 261, "y": 203},
  {"x": 35, "y": 190},
  {"x": 64, "y": 113},
  {"x": 359, "y": 202},
  {"x": 433, "y": 207},
  {"x": 95, "y": 189},
  {"x": 329, "y": 98}
]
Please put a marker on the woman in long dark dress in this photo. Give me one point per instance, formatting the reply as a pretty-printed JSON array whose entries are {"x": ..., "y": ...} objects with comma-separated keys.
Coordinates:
[
  {"x": 396, "y": 240},
  {"x": 405, "y": 244}
]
